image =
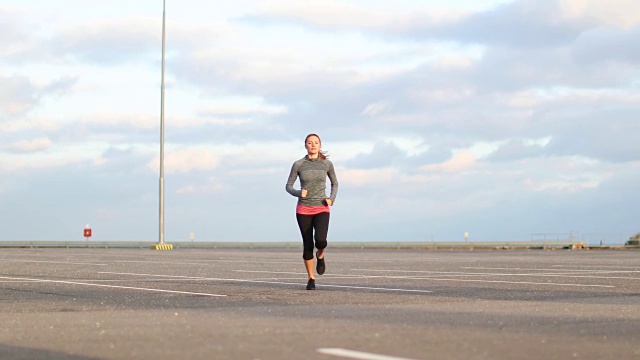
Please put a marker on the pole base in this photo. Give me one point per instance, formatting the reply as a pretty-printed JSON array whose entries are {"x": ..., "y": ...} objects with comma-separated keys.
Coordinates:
[{"x": 162, "y": 247}]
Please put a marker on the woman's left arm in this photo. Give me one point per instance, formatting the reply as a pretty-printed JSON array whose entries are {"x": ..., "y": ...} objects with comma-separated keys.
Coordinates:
[{"x": 331, "y": 173}]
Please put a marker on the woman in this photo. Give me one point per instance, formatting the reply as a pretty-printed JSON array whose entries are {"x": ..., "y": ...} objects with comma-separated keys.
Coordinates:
[{"x": 312, "y": 211}]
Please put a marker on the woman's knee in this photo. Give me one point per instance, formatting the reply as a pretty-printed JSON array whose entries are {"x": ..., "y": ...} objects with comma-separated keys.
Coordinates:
[
  {"x": 307, "y": 254},
  {"x": 321, "y": 243}
]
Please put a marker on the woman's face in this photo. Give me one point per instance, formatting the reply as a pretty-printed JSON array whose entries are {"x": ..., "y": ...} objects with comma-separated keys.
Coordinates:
[{"x": 313, "y": 146}]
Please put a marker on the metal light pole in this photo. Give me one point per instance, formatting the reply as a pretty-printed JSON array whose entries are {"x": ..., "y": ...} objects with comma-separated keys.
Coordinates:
[{"x": 161, "y": 232}]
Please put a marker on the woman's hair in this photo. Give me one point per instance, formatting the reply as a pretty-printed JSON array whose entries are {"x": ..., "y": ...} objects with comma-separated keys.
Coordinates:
[{"x": 321, "y": 153}]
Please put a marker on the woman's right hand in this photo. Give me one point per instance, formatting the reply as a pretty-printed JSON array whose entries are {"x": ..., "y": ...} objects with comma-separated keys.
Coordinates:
[{"x": 304, "y": 193}]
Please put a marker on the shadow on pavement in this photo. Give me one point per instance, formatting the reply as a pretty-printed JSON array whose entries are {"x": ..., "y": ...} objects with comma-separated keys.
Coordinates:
[{"x": 25, "y": 353}]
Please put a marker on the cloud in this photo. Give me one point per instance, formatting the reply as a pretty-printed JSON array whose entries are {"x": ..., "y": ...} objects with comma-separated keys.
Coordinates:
[
  {"x": 107, "y": 42},
  {"x": 18, "y": 95},
  {"x": 618, "y": 13},
  {"x": 61, "y": 85},
  {"x": 32, "y": 35},
  {"x": 333, "y": 15},
  {"x": 376, "y": 108},
  {"x": 608, "y": 46},
  {"x": 243, "y": 110},
  {"x": 367, "y": 177},
  {"x": 384, "y": 154},
  {"x": 16, "y": 40},
  {"x": 388, "y": 154},
  {"x": 124, "y": 160},
  {"x": 501, "y": 120},
  {"x": 187, "y": 160},
  {"x": 28, "y": 146},
  {"x": 520, "y": 24},
  {"x": 460, "y": 162},
  {"x": 202, "y": 186},
  {"x": 515, "y": 150}
]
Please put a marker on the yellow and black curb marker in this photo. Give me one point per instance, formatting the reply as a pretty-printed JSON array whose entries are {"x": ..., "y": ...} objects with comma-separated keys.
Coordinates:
[{"x": 162, "y": 247}]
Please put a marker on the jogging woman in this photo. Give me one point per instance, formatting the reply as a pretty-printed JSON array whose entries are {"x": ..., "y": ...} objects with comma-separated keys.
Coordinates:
[{"x": 312, "y": 211}]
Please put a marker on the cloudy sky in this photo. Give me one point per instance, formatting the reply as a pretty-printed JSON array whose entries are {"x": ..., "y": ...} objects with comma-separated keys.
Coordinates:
[{"x": 500, "y": 118}]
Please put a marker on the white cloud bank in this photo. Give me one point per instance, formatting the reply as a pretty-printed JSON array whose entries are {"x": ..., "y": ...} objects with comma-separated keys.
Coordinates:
[{"x": 513, "y": 118}]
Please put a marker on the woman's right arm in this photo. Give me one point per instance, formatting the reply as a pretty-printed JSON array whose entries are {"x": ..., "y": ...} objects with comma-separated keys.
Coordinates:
[{"x": 293, "y": 175}]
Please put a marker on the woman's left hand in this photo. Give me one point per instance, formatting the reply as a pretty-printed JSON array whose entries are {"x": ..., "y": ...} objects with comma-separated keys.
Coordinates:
[{"x": 329, "y": 202}]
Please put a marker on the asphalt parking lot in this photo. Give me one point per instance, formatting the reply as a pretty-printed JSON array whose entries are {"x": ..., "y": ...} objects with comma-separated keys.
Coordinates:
[{"x": 371, "y": 304}]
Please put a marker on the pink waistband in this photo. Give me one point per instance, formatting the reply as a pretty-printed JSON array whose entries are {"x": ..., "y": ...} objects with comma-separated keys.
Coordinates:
[{"x": 311, "y": 210}]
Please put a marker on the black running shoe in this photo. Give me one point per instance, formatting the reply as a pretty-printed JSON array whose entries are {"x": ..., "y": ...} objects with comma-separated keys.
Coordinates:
[
  {"x": 320, "y": 267},
  {"x": 311, "y": 284}
]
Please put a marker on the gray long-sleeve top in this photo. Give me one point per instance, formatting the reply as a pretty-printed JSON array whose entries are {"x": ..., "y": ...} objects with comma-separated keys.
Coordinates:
[{"x": 313, "y": 177}]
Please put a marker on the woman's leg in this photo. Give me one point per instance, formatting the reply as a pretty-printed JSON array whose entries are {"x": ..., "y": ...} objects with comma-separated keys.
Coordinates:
[
  {"x": 308, "y": 264},
  {"x": 305, "y": 222},
  {"x": 321, "y": 226}
]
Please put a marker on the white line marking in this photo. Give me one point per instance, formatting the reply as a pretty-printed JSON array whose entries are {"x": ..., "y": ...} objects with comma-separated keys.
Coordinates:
[
  {"x": 513, "y": 282},
  {"x": 438, "y": 279},
  {"x": 455, "y": 273},
  {"x": 268, "y": 282},
  {"x": 109, "y": 286},
  {"x": 52, "y": 262},
  {"x": 474, "y": 280},
  {"x": 271, "y": 272},
  {"x": 598, "y": 266},
  {"x": 352, "y": 354},
  {"x": 374, "y": 288},
  {"x": 204, "y": 262},
  {"x": 570, "y": 270}
]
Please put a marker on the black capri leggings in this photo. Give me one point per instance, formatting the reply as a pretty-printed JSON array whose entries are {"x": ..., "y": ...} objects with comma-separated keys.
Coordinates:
[{"x": 307, "y": 224}]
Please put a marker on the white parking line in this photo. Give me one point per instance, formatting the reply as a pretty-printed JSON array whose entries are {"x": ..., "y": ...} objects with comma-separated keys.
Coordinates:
[
  {"x": 352, "y": 354},
  {"x": 474, "y": 280},
  {"x": 569, "y": 270},
  {"x": 431, "y": 278},
  {"x": 109, "y": 286},
  {"x": 269, "y": 282},
  {"x": 204, "y": 262},
  {"x": 458, "y": 273},
  {"x": 51, "y": 262},
  {"x": 597, "y": 266},
  {"x": 375, "y": 288},
  {"x": 440, "y": 273}
]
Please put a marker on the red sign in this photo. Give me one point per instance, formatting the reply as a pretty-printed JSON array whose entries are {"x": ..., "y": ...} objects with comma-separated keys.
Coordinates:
[{"x": 87, "y": 232}]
